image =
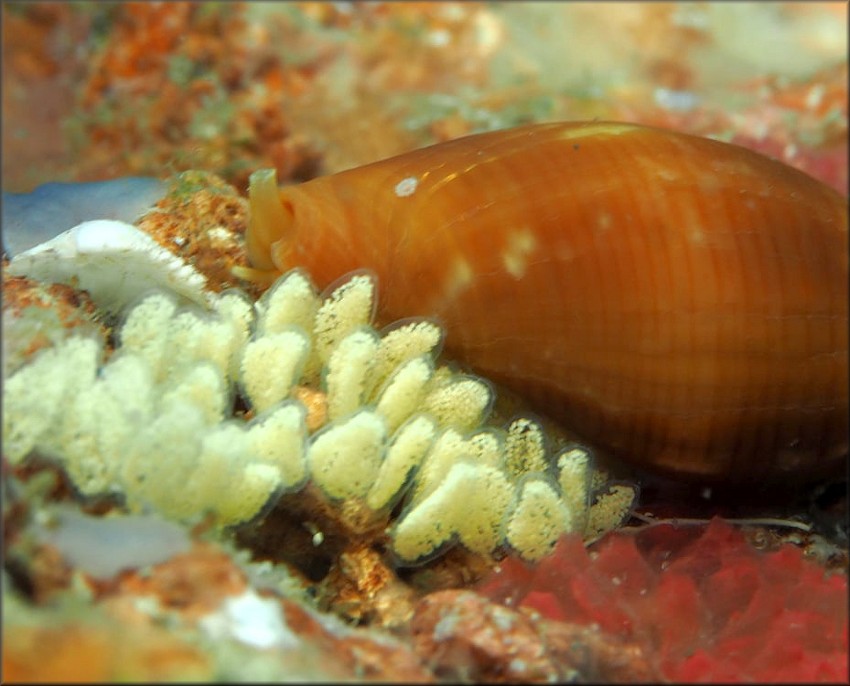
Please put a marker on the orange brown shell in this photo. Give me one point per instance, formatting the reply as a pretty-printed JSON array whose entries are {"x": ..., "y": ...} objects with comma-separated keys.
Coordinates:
[{"x": 677, "y": 301}]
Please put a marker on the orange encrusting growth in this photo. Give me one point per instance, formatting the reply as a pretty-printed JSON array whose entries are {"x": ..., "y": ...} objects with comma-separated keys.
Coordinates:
[{"x": 675, "y": 300}]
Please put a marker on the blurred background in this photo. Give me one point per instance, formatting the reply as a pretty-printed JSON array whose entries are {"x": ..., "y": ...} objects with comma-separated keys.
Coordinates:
[{"x": 94, "y": 90}]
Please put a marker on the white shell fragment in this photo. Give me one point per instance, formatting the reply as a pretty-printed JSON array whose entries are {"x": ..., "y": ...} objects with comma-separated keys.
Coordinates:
[{"x": 112, "y": 260}]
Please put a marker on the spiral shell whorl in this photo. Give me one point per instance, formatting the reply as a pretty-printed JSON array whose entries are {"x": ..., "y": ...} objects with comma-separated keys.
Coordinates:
[{"x": 677, "y": 301}]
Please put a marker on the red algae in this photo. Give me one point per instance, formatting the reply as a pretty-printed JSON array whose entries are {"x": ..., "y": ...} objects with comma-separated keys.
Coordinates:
[{"x": 706, "y": 604}]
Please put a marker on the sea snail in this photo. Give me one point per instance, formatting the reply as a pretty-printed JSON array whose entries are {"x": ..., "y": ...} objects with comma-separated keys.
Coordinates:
[{"x": 678, "y": 302}]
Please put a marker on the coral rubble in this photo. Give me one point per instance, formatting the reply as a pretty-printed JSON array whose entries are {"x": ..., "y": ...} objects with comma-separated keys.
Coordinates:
[
  {"x": 201, "y": 615},
  {"x": 462, "y": 636},
  {"x": 37, "y": 315}
]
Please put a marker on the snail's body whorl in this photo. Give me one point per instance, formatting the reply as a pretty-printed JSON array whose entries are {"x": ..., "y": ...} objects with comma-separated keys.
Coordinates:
[{"x": 679, "y": 302}]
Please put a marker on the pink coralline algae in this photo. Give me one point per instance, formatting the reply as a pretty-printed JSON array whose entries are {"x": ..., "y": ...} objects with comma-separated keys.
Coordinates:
[{"x": 706, "y": 604}]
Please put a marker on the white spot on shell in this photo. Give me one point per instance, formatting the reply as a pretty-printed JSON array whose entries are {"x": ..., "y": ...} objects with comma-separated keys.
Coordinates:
[
  {"x": 666, "y": 173},
  {"x": 603, "y": 222},
  {"x": 406, "y": 187},
  {"x": 460, "y": 277},
  {"x": 515, "y": 258},
  {"x": 696, "y": 234}
]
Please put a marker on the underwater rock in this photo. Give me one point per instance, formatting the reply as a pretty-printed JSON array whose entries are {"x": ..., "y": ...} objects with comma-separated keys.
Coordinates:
[{"x": 464, "y": 637}]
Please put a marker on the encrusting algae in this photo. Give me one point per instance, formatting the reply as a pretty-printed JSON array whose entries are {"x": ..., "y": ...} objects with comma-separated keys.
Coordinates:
[{"x": 391, "y": 439}]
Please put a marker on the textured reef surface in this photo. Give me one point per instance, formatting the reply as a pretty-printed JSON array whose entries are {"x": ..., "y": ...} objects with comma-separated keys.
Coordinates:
[
  {"x": 207, "y": 480},
  {"x": 278, "y": 476}
]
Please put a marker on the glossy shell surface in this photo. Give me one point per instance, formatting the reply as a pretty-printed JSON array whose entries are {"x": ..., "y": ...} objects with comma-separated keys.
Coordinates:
[{"x": 678, "y": 302}]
